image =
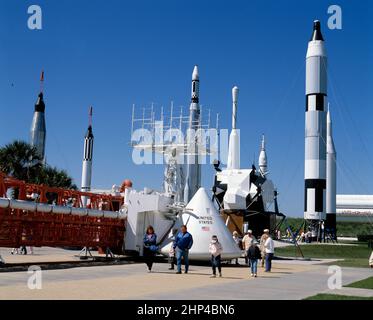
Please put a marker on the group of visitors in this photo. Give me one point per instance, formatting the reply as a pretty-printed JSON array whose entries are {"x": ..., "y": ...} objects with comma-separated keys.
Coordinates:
[
  {"x": 254, "y": 250},
  {"x": 182, "y": 242},
  {"x": 22, "y": 250}
]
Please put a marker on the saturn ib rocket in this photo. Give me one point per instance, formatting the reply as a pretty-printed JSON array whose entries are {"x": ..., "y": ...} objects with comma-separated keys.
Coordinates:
[
  {"x": 331, "y": 177},
  {"x": 315, "y": 133},
  {"x": 193, "y": 167},
  {"x": 87, "y": 159},
  {"x": 38, "y": 130}
]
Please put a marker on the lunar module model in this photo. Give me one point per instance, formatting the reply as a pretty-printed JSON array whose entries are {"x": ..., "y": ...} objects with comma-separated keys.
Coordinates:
[{"x": 245, "y": 196}]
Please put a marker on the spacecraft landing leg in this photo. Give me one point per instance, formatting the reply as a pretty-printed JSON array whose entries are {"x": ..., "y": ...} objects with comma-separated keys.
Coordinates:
[{"x": 83, "y": 254}]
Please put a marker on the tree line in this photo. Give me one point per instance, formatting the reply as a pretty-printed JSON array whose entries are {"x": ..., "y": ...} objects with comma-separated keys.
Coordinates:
[{"x": 20, "y": 160}]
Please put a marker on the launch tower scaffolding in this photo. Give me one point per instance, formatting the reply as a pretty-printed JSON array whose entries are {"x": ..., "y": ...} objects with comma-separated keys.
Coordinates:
[{"x": 167, "y": 136}]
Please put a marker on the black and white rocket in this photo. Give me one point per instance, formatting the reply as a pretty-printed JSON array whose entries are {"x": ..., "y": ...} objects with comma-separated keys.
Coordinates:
[
  {"x": 193, "y": 167},
  {"x": 38, "y": 130},
  {"x": 315, "y": 127},
  {"x": 87, "y": 159},
  {"x": 331, "y": 176}
]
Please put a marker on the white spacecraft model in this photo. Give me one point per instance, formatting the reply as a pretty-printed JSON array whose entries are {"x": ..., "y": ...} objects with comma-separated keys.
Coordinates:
[
  {"x": 182, "y": 201},
  {"x": 245, "y": 192}
]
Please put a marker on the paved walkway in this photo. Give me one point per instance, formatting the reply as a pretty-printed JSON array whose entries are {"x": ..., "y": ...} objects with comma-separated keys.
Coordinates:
[
  {"x": 41, "y": 255},
  {"x": 287, "y": 281}
]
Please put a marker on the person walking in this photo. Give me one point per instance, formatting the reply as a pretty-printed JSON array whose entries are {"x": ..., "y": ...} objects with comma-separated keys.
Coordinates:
[
  {"x": 263, "y": 239},
  {"x": 371, "y": 260},
  {"x": 183, "y": 243},
  {"x": 246, "y": 243},
  {"x": 23, "y": 250},
  {"x": 270, "y": 250},
  {"x": 150, "y": 247},
  {"x": 238, "y": 242},
  {"x": 254, "y": 254},
  {"x": 172, "y": 256},
  {"x": 216, "y": 249}
]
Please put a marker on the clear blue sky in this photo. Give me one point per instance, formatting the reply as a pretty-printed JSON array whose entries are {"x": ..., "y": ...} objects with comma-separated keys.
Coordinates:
[{"x": 111, "y": 54}]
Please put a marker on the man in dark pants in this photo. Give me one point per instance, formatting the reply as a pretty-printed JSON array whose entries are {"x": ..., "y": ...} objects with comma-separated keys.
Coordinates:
[{"x": 182, "y": 245}]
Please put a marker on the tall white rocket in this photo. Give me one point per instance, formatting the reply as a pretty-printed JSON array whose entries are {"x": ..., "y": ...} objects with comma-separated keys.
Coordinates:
[
  {"x": 87, "y": 159},
  {"x": 193, "y": 169},
  {"x": 331, "y": 175},
  {"x": 38, "y": 130},
  {"x": 263, "y": 164},
  {"x": 315, "y": 127},
  {"x": 234, "y": 138}
]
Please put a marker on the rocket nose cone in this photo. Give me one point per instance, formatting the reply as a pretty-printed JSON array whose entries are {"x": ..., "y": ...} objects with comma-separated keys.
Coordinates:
[
  {"x": 316, "y": 34},
  {"x": 40, "y": 105},
  {"x": 235, "y": 91},
  {"x": 89, "y": 133},
  {"x": 328, "y": 119},
  {"x": 195, "y": 75},
  {"x": 316, "y": 25}
]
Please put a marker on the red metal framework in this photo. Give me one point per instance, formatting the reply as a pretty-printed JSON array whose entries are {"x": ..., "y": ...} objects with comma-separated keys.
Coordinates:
[{"x": 20, "y": 227}]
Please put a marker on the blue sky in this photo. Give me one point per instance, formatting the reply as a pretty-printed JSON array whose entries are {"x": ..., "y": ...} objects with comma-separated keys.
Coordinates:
[{"x": 111, "y": 54}]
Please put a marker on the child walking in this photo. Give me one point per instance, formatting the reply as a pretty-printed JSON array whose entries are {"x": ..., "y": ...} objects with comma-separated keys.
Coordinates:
[
  {"x": 253, "y": 254},
  {"x": 215, "y": 248}
]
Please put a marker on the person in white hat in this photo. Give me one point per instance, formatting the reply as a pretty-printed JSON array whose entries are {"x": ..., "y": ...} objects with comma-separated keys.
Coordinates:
[
  {"x": 246, "y": 243},
  {"x": 269, "y": 246},
  {"x": 238, "y": 241},
  {"x": 263, "y": 239}
]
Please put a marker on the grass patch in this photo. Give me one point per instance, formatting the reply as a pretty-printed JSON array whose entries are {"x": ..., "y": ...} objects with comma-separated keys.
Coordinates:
[
  {"x": 362, "y": 284},
  {"x": 344, "y": 228},
  {"x": 325, "y": 296},
  {"x": 327, "y": 251},
  {"x": 353, "y": 263},
  {"x": 354, "y": 256}
]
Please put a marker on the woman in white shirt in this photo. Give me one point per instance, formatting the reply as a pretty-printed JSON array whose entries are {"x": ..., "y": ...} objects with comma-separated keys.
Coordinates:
[
  {"x": 269, "y": 246},
  {"x": 216, "y": 249}
]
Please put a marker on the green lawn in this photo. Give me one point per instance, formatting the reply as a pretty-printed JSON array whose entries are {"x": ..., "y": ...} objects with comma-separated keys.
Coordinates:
[
  {"x": 344, "y": 228},
  {"x": 363, "y": 284},
  {"x": 353, "y": 263},
  {"x": 324, "y": 296},
  {"x": 354, "y": 256}
]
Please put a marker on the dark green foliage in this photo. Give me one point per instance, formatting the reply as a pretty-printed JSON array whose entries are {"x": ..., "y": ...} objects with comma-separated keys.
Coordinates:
[
  {"x": 363, "y": 284},
  {"x": 21, "y": 161}
]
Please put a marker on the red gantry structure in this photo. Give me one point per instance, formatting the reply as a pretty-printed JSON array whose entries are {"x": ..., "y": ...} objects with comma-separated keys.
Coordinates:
[{"x": 37, "y": 215}]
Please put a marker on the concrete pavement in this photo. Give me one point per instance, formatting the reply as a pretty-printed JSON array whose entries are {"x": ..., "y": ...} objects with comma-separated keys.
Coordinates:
[{"x": 288, "y": 280}]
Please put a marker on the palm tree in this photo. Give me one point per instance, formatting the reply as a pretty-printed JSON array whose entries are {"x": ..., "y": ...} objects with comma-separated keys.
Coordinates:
[
  {"x": 54, "y": 177},
  {"x": 21, "y": 161}
]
